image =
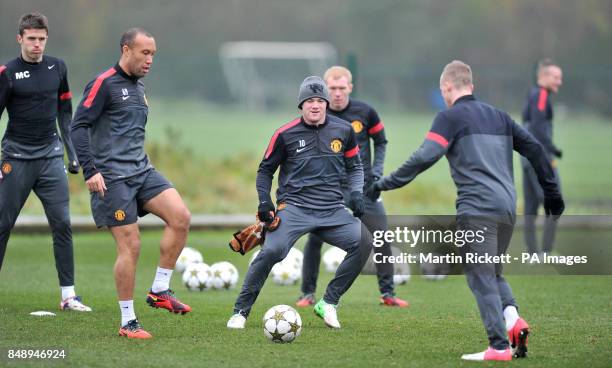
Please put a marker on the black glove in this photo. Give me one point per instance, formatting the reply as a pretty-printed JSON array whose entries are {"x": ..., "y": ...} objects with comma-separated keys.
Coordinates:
[
  {"x": 373, "y": 191},
  {"x": 554, "y": 206},
  {"x": 558, "y": 153},
  {"x": 357, "y": 204},
  {"x": 265, "y": 212},
  {"x": 73, "y": 167}
]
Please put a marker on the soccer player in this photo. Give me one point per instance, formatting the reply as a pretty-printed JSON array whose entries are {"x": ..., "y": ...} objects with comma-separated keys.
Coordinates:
[
  {"x": 537, "y": 119},
  {"x": 367, "y": 126},
  {"x": 108, "y": 131},
  {"x": 34, "y": 90},
  {"x": 313, "y": 152},
  {"x": 478, "y": 141}
]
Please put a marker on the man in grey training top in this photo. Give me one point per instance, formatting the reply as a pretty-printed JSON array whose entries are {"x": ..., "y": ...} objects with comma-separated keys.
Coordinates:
[
  {"x": 313, "y": 153},
  {"x": 478, "y": 140},
  {"x": 108, "y": 132}
]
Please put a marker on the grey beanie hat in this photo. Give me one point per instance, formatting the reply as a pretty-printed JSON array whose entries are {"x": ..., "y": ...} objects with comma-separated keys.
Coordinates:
[{"x": 312, "y": 86}]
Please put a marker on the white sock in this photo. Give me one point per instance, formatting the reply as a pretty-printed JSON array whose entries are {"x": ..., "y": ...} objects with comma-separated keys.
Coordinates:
[
  {"x": 162, "y": 280},
  {"x": 127, "y": 311},
  {"x": 511, "y": 316},
  {"x": 67, "y": 292}
]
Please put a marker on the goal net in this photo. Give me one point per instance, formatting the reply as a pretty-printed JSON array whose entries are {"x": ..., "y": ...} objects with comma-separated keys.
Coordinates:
[{"x": 266, "y": 75}]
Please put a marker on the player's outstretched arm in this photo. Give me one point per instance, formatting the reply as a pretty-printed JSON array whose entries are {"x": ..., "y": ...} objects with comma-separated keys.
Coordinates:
[
  {"x": 422, "y": 159},
  {"x": 431, "y": 150}
]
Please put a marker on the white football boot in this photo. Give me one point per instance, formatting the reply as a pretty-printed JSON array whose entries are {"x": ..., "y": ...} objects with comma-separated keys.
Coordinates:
[
  {"x": 236, "y": 322},
  {"x": 328, "y": 313},
  {"x": 74, "y": 303}
]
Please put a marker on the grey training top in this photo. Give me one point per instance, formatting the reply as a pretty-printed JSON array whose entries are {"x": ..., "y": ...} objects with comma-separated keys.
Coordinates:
[
  {"x": 312, "y": 160},
  {"x": 114, "y": 113},
  {"x": 478, "y": 141}
]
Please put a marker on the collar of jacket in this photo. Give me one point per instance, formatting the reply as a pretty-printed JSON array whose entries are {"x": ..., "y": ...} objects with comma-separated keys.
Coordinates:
[
  {"x": 315, "y": 127},
  {"x": 464, "y": 99},
  {"x": 124, "y": 74}
]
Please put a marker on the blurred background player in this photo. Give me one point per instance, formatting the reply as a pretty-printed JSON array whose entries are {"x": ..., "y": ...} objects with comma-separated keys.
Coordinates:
[
  {"x": 108, "y": 132},
  {"x": 478, "y": 141},
  {"x": 314, "y": 152},
  {"x": 537, "y": 119},
  {"x": 34, "y": 90},
  {"x": 367, "y": 125}
]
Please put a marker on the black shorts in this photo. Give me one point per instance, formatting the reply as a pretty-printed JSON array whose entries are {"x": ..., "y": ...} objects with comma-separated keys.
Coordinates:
[{"x": 124, "y": 200}]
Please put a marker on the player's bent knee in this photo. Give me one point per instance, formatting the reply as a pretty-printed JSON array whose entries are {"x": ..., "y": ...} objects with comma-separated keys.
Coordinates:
[
  {"x": 129, "y": 247},
  {"x": 133, "y": 249},
  {"x": 180, "y": 220}
]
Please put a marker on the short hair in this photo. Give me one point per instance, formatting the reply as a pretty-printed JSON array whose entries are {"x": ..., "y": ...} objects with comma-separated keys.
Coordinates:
[
  {"x": 458, "y": 73},
  {"x": 128, "y": 37},
  {"x": 544, "y": 64},
  {"x": 337, "y": 72},
  {"x": 34, "y": 20}
]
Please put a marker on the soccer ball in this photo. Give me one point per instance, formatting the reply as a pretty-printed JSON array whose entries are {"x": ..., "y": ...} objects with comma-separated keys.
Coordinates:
[
  {"x": 289, "y": 270},
  {"x": 187, "y": 256},
  {"x": 285, "y": 272},
  {"x": 332, "y": 259},
  {"x": 224, "y": 275},
  {"x": 401, "y": 273},
  {"x": 295, "y": 257},
  {"x": 197, "y": 277},
  {"x": 282, "y": 323}
]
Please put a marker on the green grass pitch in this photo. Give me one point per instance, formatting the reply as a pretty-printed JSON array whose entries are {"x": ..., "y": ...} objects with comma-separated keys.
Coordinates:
[{"x": 570, "y": 316}]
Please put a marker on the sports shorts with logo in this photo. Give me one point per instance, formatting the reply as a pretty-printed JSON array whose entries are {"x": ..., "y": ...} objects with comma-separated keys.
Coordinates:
[{"x": 124, "y": 200}]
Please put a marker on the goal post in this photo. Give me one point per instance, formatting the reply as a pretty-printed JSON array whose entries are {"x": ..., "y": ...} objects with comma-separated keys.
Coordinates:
[{"x": 263, "y": 75}]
